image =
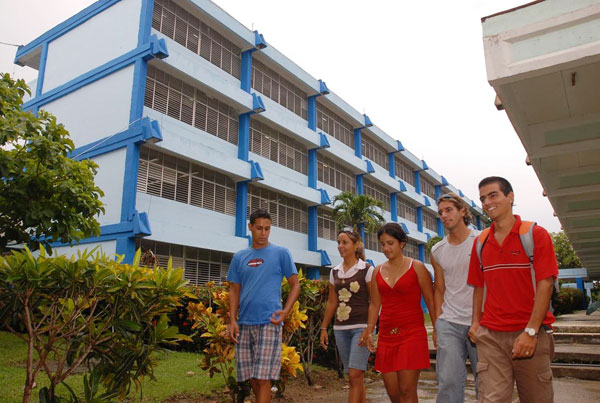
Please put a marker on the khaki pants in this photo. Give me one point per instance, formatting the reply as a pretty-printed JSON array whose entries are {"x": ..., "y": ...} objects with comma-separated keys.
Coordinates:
[{"x": 497, "y": 371}]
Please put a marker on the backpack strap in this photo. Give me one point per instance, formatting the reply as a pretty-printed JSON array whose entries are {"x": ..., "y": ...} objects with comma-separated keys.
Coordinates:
[
  {"x": 480, "y": 241},
  {"x": 526, "y": 235},
  {"x": 479, "y": 244}
]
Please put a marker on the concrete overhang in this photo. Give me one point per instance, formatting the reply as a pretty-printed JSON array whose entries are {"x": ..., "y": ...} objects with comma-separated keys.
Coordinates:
[{"x": 543, "y": 61}]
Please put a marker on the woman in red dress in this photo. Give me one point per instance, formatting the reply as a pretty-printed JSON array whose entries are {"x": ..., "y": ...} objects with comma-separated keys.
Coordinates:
[{"x": 402, "y": 350}]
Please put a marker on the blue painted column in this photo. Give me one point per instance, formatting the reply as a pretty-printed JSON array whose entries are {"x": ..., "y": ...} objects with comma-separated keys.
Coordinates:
[
  {"x": 312, "y": 228},
  {"x": 440, "y": 225},
  {"x": 241, "y": 203},
  {"x": 312, "y": 272},
  {"x": 479, "y": 225},
  {"x": 417, "y": 181},
  {"x": 394, "y": 206},
  {"x": 392, "y": 164},
  {"x": 42, "y": 70},
  {"x": 358, "y": 143},
  {"x": 244, "y": 137},
  {"x": 359, "y": 184},
  {"x": 246, "y": 70},
  {"x": 421, "y": 252},
  {"x": 420, "y": 219},
  {"x": 312, "y": 168},
  {"x": 126, "y": 246},
  {"x": 312, "y": 112}
]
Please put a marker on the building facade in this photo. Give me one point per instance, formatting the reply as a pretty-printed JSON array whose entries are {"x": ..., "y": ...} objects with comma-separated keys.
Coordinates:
[{"x": 195, "y": 121}]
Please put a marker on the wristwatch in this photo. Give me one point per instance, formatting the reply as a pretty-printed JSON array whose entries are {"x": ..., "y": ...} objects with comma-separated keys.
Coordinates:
[{"x": 530, "y": 331}]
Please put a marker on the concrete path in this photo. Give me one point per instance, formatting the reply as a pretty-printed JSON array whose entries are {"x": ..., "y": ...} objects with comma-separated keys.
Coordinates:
[{"x": 565, "y": 389}]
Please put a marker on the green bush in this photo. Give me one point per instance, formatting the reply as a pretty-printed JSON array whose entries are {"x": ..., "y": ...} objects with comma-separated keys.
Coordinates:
[
  {"x": 567, "y": 300},
  {"x": 89, "y": 311}
]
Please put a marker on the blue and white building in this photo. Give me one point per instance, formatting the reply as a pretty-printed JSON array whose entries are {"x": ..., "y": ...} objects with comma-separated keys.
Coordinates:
[{"x": 195, "y": 121}]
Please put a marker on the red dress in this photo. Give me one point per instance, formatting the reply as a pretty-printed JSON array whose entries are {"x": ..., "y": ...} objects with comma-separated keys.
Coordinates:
[{"x": 402, "y": 340}]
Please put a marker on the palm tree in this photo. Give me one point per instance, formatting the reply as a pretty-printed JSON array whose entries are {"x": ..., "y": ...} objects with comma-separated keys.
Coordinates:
[{"x": 357, "y": 211}]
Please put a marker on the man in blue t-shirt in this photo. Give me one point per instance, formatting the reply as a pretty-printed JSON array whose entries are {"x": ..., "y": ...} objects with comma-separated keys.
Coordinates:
[{"x": 255, "y": 276}]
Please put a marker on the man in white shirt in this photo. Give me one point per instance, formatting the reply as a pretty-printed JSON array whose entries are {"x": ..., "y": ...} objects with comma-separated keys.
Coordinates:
[{"x": 453, "y": 299}]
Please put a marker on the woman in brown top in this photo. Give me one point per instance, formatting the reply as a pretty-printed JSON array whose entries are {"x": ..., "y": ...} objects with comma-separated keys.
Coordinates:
[{"x": 349, "y": 290}]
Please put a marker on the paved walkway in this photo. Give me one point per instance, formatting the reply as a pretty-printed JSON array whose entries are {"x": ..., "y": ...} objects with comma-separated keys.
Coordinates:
[{"x": 565, "y": 389}]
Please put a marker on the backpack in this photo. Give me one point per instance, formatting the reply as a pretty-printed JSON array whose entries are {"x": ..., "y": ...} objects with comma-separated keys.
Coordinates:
[{"x": 526, "y": 235}]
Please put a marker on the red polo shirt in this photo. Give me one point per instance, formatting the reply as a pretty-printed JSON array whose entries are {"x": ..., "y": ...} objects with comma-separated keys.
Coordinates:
[{"x": 507, "y": 277}]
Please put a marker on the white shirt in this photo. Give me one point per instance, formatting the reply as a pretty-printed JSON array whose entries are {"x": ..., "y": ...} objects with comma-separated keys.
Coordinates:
[
  {"x": 360, "y": 265},
  {"x": 454, "y": 261}
]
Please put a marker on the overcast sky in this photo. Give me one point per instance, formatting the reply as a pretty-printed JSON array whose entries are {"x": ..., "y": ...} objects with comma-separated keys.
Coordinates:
[{"x": 416, "y": 68}]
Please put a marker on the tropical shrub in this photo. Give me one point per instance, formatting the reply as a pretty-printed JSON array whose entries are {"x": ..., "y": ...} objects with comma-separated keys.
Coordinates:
[
  {"x": 567, "y": 300},
  {"x": 90, "y": 311},
  {"x": 210, "y": 317},
  {"x": 306, "y": 319}
]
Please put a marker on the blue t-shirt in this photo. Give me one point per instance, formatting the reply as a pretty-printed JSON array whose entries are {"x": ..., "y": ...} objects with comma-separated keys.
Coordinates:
[{"x": 260, "y": 272}]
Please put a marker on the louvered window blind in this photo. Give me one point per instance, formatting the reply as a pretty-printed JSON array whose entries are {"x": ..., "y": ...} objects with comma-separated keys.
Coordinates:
[
  {"x": 169, "y": 95},
  {"x": 377, "y": 192},
  {"x": 411, "y": 249},
  {"x": 427, "y": 187},
  {"x": 371, "y": 241},
  {"x": 335, "y": 126},
  {"x": 404, "y": 171},
  {"x": 280, "y": 90},
  {"x": 286, "y": 212},
  {"x": 278, "y": 147},
  {"x": 429, "y": 220},
  {"x": 326, "y": 226},
  {"x": 335, "y": 174},
  {"x": 187, "y": 30},
  {"x": 200, "y": 265},
  {"x": 406, "y": 210},
  {"x": 374, "y": 151},
  {"x": 172, "y": 178}
]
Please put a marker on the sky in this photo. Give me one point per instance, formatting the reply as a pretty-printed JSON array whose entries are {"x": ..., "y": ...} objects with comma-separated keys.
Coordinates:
[{"x": 417, "y": 69}]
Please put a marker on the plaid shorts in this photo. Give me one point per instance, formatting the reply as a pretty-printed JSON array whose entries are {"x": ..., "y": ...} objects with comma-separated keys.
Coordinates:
[{"x": 258, "y": 352}]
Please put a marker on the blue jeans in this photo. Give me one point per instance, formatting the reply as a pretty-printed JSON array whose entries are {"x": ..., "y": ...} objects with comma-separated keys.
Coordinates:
[
  {"x": 453, "y": 349},
  {"x": 352, "y": 355}
]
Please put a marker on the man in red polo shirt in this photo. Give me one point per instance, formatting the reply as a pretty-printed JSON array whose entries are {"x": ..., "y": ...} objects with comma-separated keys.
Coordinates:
[{"x": 511, "y": 333}]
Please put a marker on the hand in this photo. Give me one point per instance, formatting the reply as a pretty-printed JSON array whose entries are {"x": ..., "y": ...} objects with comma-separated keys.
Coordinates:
[
  {"x": 472, "y": 331},
  {"x": 434, "y": 337},
  {"x": 324, "y": 339},
  {"x": 524, "y": 346},
  {"x": 234, "y": 331},
  {"x": 278, "y": 316},
  {"x": 370, "y": 343},
  {"x": 364, "y": 336}
]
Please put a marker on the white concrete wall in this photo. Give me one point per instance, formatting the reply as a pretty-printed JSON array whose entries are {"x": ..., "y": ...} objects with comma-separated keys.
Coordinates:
[
  {"x": 183, "y": 224},
  {"x": 105, "y": 37},
  {"x": 198, "y": 145},
  {"x": 108, "y": 248},
  {"x": 109, "y": 178},
  {"x": 286, "y": 180},
  {"x": 97, "y": 110}
]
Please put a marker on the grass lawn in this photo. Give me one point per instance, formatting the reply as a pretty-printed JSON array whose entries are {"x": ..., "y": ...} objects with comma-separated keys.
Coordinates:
[{"x": 171, "y": 373}]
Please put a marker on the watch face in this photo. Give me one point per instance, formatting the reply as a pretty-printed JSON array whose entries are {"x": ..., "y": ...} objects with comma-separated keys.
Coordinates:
[{"x": 530, "y": 331}]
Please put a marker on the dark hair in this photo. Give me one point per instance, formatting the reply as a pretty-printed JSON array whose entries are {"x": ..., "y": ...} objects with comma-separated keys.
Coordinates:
[
  {"x": 505, "y": 186},
  {"x": 354, "y": 236},
  {"x": 259, "y": 213},
  {"x": 393, "y": 229},
  {"x": 458, "y": 202}
]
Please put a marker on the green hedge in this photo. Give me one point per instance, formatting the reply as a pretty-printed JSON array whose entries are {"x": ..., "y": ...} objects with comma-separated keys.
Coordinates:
[{"x": 567, "y": 300}]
